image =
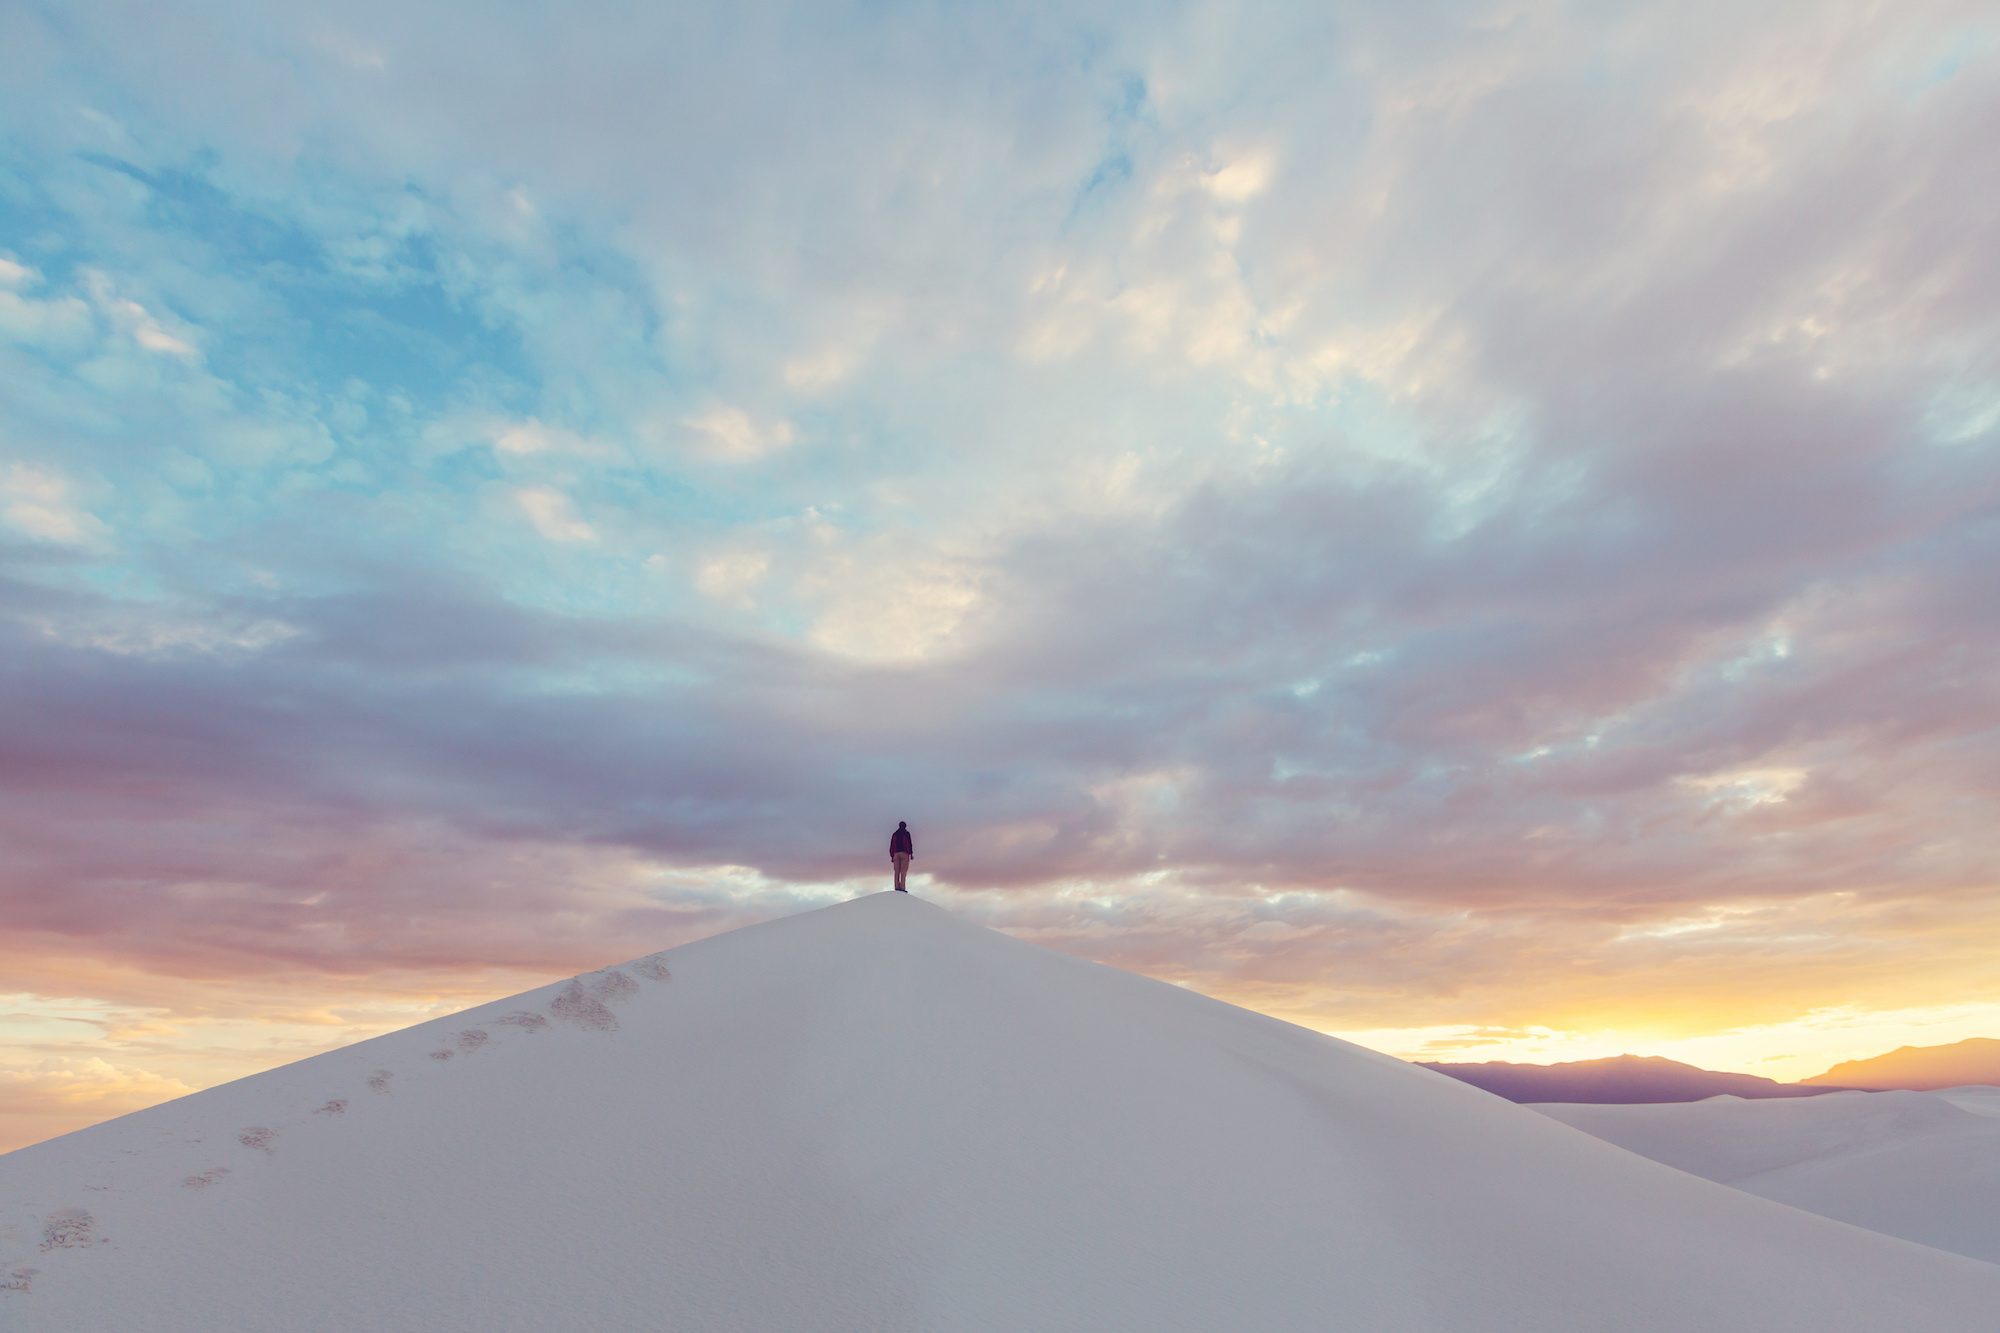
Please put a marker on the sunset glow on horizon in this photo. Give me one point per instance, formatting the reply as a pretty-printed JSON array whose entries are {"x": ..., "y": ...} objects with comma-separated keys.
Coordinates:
[{"x": 1472, "y": 530}]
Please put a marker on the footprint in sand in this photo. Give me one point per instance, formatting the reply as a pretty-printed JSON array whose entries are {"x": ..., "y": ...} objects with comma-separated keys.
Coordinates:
[
  {"x": 205, "y": 1179},
  {"x": 577, "y": 1005},
  {"x": 653, "y": 969},
  {"x": 612, "y": 985},
  {"x": 379, "y": 1080},
  {"x": 440, "y": 1055},
  {"x": 257, "y": 1136},
  {"x": 338, "y": 1106},
  {"x": 68, "y": 1229},
  {"x": 525, "y": 1019},
  {"x": 18, "y": 1279},
  {"x": 471, "y": 1039}
]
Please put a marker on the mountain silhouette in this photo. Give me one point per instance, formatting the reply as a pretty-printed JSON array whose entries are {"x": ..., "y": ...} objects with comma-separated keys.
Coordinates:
[
  {"x": 1976, "y": 1060},
  {"x": 1617, "y": 1079}
]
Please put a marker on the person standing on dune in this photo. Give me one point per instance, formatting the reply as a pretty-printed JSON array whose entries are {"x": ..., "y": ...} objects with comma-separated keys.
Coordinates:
[{"x": 902, "y": 848}]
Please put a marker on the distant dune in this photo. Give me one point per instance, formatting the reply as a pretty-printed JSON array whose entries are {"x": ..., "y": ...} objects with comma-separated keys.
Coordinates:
[
  {"x": 1924, "y": 1166},
  {"x": 1975, "y": 1060},
  {"x": 1621, "y": 1079}
]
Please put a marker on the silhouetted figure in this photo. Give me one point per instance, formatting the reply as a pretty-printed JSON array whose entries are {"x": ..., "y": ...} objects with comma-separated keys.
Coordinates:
[{"x": 902, "y": 847}]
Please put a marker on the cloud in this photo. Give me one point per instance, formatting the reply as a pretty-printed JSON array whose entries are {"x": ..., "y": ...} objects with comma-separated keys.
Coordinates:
[
  {"x": 1242, "y": 178},
  {"x": 55, "y": 1095},
  {"x": 39, "y": 503},
  {"x": 168, "y": 634},
  {"x": 553, "y": 515},
  {"x": 61, "y": 322},
  {"x": 877, "y": 606},
  {"x": 346, "y": 49},
  {"x": 528, "y": 437},
  {"x": 92, "y": 1086},
  {"x": 140, "y": 324},
  {"x": 532, "y": 437},
  {"x": 732, "y": 576},
  {"x": 825, "y": 367},
  {"x": 731, "y": 433}
]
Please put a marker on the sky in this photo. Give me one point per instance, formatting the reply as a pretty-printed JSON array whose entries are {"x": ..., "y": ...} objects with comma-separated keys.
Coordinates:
[{"x": 1470, "y": 527}]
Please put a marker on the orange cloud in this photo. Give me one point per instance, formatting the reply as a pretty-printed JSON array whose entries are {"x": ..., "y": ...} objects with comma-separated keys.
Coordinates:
[{"x": 55, "y": 1096}]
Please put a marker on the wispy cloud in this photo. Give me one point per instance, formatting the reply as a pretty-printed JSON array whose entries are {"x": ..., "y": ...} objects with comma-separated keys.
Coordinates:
[
  {"x": 734, "y": 434},
  {"x": 553, "y": 514},
  {"x": 40, "y": 503}
]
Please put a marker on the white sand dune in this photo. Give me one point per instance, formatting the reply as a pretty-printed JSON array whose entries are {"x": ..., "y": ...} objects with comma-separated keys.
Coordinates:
[
  {"x": 1978, "y": 1100},
  {"x": 1921, "y": 1165},
  {"x": 880, "y": 1117}
]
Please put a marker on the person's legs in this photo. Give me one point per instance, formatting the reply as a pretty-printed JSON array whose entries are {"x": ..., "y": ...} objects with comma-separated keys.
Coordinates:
[{"x": 902, "y": 860}]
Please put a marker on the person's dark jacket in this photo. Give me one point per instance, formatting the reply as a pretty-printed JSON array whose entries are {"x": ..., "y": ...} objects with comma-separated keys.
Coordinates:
[{"x": 901, "y": 841}]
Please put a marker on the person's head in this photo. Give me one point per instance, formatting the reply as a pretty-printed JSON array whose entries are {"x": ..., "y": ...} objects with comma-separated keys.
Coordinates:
[{"x": 901, "y": 824}]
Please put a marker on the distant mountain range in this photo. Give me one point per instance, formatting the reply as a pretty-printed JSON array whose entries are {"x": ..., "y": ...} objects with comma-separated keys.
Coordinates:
[
  {"x": 1619, "y": 1079},
  {"x": 1624, "y": 1079},
  {"x": 1921, "y": 1068}
]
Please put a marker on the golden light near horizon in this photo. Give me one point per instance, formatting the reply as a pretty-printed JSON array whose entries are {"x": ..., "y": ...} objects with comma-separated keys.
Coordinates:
[{"x": 1784, "y": 1052}]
